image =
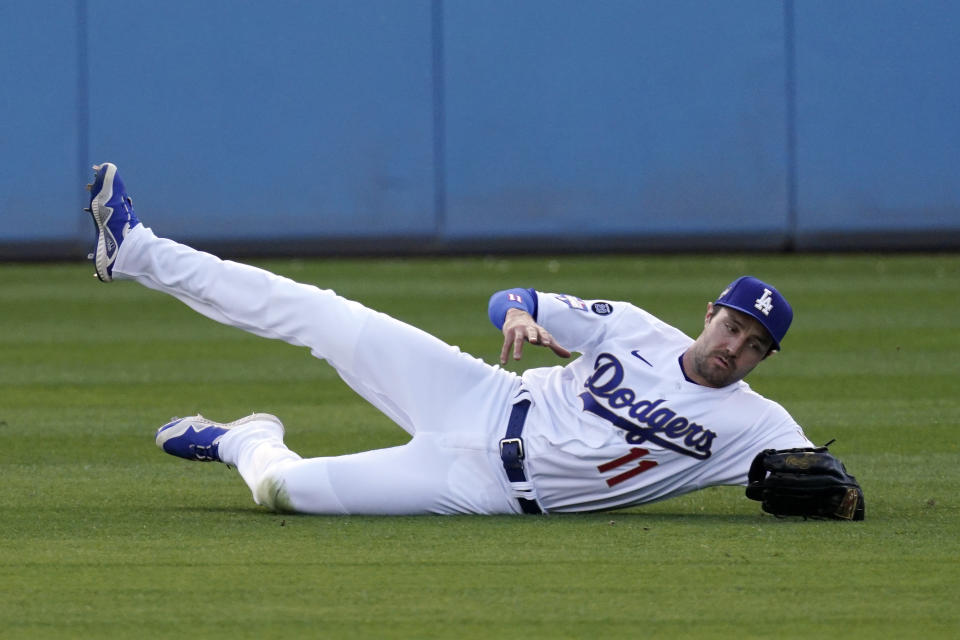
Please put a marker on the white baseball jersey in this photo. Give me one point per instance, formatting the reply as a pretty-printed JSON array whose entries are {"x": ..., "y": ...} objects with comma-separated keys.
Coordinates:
[{"x": 623, "y": 425}]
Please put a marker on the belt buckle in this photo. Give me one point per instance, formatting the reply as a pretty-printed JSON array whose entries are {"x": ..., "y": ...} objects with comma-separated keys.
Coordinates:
[{"x": 516, "y": 441}]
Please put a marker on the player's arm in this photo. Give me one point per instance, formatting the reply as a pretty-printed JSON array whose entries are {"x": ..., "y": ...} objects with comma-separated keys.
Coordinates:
[{"x": 514, "y": 312}]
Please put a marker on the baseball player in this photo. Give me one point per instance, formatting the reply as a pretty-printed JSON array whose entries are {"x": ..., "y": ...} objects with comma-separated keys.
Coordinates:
[{"x": 643, "y": 414}]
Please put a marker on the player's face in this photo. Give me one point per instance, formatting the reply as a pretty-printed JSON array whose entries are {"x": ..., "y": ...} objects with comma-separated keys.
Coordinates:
[{"x": 731, "y": 345}]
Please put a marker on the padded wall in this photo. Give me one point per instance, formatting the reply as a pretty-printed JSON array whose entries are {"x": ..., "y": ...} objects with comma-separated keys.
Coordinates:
[{"x": 437, "y": 124}]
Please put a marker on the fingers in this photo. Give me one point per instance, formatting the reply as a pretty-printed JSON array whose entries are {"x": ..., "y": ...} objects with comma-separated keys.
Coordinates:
[
  {"x": 513, "y": 340},
  {"x": 505, "y": 350},
  {"x": 560, "y": 351},
  {"x": 514, "y": 337},
  {"x": 518, "y": 338},
  {"x": 544, "y": 338}
]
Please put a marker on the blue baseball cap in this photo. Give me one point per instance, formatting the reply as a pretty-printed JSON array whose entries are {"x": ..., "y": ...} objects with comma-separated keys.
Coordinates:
[{"x": 762, "y": 301}]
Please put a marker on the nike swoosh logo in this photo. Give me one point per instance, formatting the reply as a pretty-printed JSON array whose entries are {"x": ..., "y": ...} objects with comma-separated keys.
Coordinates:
[{"x": 637, "y": 354}]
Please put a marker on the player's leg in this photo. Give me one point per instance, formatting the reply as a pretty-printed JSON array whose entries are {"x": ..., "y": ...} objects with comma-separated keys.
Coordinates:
[
  {"x": 423, "y": 476},
  {"x": 416, "y": 379},
  {"x": 243, "y": 296},
  {"x": 430, "y": 474}
]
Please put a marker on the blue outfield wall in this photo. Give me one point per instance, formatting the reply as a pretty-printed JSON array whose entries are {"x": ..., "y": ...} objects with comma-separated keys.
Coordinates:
[
  {"x": 378, "y": 125},
  {"x": 40, "y": 122},
  {"x": 615, "y": 118},
  {"x": 878, "y": 118},
  {"x": 242, "y": 119}
]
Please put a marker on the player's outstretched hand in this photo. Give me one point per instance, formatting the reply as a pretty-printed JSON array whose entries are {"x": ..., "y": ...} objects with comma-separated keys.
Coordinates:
[{"x": 519, "y": 327}]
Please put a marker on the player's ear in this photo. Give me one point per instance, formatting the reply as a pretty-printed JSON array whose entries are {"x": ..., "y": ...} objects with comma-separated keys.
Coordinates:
[{"x": 711, "y": 311}]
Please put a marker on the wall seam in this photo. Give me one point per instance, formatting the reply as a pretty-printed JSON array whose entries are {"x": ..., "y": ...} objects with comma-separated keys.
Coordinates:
[
  {"x": 83, "y": 108},
  {"x": 790, "y": 88},
  {"x": 439, "y": 120}
]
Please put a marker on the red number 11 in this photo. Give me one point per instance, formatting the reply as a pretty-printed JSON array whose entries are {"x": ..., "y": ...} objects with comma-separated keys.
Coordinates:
[{"x": 635, "y": 453}]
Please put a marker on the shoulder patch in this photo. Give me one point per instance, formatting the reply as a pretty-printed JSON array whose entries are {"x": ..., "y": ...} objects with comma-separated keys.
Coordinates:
[
  {"x": 573, "y": 302},
  {"x": 602, "y": 308}
]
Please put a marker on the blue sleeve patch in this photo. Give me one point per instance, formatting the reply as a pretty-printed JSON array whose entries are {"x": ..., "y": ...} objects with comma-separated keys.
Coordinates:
[{"x": 503, "y": 301}]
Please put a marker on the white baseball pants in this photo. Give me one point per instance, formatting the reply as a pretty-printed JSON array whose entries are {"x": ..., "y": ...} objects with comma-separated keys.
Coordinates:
[{"x": 454, "y": 406}]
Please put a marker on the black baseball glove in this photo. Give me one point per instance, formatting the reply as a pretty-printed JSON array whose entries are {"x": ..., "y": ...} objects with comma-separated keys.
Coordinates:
[{"x": 808, "y": 482}]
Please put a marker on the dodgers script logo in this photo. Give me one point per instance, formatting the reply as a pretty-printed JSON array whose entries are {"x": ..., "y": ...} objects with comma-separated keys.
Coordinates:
[{"x": 654, "y": 422}]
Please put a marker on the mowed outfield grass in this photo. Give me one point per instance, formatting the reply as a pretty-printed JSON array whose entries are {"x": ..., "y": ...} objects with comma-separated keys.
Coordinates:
[{"x": 104, "y": 536}]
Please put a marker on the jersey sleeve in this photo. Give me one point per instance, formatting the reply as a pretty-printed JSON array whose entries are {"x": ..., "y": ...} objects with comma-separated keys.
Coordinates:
[
  {"x": 773, "y": 428},
  {"x": 575, "y": 323},
  {"x": 786, "y": 434},
  {"x": 776, "y": 430}
]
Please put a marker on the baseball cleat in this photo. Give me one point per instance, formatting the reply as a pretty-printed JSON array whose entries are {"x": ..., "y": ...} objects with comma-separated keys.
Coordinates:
[
  {"x": 112, "y": 211},
  {"x": 196, "y": 438}
]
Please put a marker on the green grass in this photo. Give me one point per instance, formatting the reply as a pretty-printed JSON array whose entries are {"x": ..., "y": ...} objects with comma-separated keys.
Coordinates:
[{"x": 103, "y": 536}]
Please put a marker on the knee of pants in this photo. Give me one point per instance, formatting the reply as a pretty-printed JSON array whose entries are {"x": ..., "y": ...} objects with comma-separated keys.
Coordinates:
[
  {"x": 302, "y": 486},
  {"x": 271, "y": 492}
]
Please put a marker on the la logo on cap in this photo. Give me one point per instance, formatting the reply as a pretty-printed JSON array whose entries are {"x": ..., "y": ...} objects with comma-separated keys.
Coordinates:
[{"x": 764, "y": 304}]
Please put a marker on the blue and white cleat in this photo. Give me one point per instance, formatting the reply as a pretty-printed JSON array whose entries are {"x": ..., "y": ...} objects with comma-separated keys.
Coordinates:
[
  {"x": 196, "y": 438},
  {"x": 112, "y": 211}
]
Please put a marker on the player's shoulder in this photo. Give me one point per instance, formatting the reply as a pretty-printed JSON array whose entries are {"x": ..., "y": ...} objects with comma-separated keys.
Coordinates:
[
  {"x": 745, "y": 395},
  {"x": 589, "y": 307},
  {"x": 757, "y": 414},
  {"x": 638, "y": 323},
  {"x": 600, "y": 308}
]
